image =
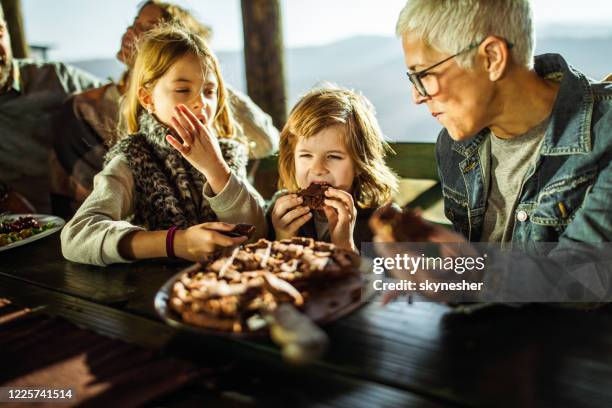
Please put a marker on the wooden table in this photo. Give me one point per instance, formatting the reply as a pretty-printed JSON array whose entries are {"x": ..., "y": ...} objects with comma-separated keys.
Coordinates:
[{"x": 420, "y": 354}]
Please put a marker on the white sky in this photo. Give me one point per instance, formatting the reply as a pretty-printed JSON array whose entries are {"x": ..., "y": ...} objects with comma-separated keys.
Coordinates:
[{"x": 83, "y": 29}]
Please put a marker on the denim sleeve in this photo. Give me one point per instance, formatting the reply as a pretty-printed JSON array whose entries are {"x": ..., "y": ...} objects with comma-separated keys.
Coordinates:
[{"x": 593, "y": 222}]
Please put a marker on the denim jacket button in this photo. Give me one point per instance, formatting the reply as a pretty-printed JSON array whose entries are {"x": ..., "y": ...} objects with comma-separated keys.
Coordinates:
[{"x": 521, "y": 216}]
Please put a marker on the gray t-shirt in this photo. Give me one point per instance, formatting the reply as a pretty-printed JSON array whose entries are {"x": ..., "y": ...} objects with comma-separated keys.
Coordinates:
[{"x": 509, "y": 161}]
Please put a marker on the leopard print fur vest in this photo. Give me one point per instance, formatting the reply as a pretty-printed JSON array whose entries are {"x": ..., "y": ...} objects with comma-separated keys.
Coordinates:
[{"x": 169, "y": 190}]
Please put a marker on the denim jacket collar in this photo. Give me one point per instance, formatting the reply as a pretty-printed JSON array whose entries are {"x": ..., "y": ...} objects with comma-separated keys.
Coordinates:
[
  {"x": 569, "y": 130},
  {"x": 470, "y": 147}
]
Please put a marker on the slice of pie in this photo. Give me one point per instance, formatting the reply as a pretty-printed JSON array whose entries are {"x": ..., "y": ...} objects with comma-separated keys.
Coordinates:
[
  {"x": 392, "y": 223},
  {"x": 314, "y": 195},
  {"x": 240, "y": 230}
]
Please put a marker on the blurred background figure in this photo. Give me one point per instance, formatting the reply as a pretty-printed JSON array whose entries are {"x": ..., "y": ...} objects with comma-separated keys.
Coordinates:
[{"x": 31, "y": 95}]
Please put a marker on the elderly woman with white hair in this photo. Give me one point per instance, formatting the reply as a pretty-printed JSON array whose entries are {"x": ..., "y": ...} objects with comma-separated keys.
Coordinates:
[{"x": 525, "y": 155}]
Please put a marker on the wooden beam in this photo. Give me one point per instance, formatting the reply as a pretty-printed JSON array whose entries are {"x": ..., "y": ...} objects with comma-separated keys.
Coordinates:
[
  {"x": 14, "y": 22},
  {"x": 264, "y": 57}
]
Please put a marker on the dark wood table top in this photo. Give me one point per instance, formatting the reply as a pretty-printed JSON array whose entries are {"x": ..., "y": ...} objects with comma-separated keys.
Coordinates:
[{"x": 421, "y": 354}]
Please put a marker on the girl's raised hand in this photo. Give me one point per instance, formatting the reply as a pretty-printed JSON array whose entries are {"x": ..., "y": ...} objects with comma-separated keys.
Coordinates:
[
  {"x": 341, "y": 214},
  {"x": 200, "y": 147},
  {"x": 288, "y": 216},
  {"x": 197, "y": 242}
]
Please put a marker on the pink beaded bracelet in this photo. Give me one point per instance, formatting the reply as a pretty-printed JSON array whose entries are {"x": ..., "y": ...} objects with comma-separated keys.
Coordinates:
[{"x": 170, "y": 242}]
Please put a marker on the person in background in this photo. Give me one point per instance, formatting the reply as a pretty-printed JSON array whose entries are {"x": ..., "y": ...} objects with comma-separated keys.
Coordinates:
[
  {"x": 31, "y": 95},
  {"x": 180, "y": 168},
  {"x": 89, "y": 121}
]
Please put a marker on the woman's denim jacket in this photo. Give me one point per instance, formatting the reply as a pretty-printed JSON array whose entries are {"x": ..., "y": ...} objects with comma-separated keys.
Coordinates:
[
  {"x": 568, "y": 193},
  {"x": 565, "y": 198}
]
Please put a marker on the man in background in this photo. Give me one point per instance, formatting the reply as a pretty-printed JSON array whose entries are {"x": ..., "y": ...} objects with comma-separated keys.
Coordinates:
[{"x": 31, "y": 93}]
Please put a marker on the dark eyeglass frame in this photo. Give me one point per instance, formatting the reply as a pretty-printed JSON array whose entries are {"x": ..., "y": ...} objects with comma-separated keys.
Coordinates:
[{"x": 415, "y": 77}]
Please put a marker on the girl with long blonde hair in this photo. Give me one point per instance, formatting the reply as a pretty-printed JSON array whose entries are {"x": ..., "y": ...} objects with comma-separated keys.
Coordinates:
[{"x": 180, "y": 171}]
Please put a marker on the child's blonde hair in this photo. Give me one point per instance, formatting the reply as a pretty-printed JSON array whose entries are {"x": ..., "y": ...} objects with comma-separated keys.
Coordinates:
[
  {"x": 156, "y": 52},
  {"x": 332, "y": 106}
]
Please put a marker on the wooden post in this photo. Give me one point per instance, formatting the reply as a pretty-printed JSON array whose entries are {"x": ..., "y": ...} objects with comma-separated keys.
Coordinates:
[
  {"x": 14, "y": 21},
  {"x": 264, "y": 57}
]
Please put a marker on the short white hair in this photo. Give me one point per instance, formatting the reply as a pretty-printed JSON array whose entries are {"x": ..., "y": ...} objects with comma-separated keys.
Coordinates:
[{"x": 450, "y": 26}]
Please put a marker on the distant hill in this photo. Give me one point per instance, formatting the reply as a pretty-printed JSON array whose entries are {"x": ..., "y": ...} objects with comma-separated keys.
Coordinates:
[{"x": 374, "y": 65}]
